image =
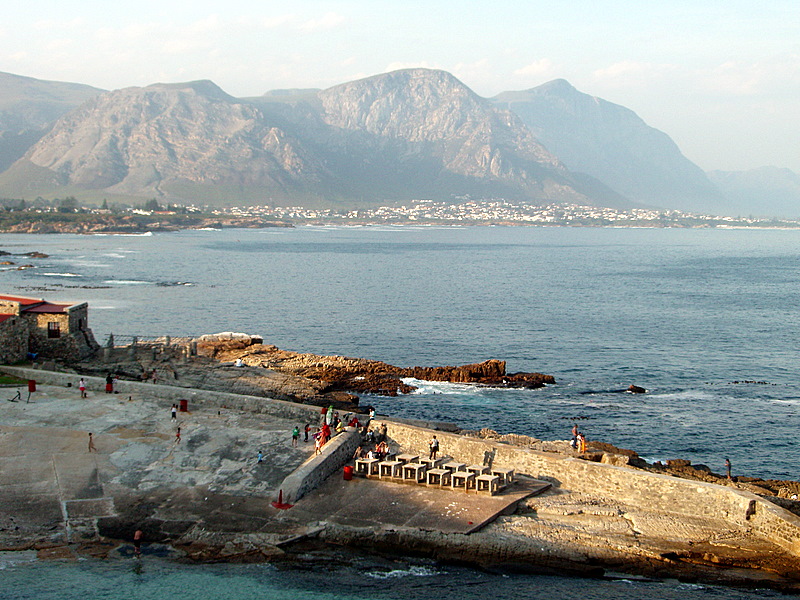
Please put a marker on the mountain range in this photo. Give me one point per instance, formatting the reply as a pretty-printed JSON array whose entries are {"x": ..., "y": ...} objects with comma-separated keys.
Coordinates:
[{"x": 409, "y": 134}]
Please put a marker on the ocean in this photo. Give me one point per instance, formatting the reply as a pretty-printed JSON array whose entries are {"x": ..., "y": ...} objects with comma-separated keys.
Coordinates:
[
  {"x": 704, "y": 319},
  {"x": 151, "y": 579}
]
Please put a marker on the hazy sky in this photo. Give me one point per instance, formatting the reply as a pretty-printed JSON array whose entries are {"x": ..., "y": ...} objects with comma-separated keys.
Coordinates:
[{"x": 721, "y": 77}]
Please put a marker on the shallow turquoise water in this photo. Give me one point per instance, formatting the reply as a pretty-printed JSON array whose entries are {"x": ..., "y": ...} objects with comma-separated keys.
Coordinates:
[{"x": 150, "y": 579}]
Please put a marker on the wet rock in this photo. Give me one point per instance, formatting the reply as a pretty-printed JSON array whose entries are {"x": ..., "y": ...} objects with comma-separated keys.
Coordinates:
[{"x": 341, "y": 373}]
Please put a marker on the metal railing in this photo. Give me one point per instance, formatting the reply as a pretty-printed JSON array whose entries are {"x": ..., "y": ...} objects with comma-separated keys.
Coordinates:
[{"x": 125, "y": 341}]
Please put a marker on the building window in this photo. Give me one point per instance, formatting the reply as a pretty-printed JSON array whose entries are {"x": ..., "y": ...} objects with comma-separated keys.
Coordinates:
[{"x": 53, "y": 330}]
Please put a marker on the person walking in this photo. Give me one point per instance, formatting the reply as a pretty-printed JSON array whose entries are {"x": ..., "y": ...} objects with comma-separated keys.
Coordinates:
[
  {"x": 174, "y": 412},
  {"x": 109, "y": 383},
  {"x": 82, "y": 387},
  {"x": 260, "y": 456},
  {"x": 728, "y": 468},
  {"x": 178, "y": 435},
  {"x": 91, "y": 444},
  {"x": 295, "y": 436}
]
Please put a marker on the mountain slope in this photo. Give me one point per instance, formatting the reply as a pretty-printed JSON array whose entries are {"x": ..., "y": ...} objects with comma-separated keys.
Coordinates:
[
  {"x": 423, "y": 133},
  {"x": 611, "y": 143},
  {"x": 28, "y": 107},
  {"x": 168, "y": 141},
  {"x": 402, "y": 135},
  {"x": 766, "y": 191}
]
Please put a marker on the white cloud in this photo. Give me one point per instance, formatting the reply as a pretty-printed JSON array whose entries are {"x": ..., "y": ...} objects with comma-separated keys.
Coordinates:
[
  {"x": 479, "y": 66},
  {"x": 747, "y": 79},
  {"x": 397, "y": 66},
  {"x": 134, "y": 33},
  {"x": 278, "y": 21},
  {"x": 543, "y": 67},
  {"x": 329, "y": 20},
  {"x": 59, "y": 44},
  {"x": 51, "y": 24},
  {"x": 210, "y": 24},
  {"x": 628, "y": 70}
]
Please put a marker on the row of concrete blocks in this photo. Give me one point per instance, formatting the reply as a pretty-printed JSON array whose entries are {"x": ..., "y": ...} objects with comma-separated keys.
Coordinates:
[{"x": 436, "y": 472}]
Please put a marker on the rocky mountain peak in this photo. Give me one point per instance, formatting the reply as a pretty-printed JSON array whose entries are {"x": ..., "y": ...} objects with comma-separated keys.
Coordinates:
[
  {"x": 203, "y": 88},
  {"x": 134, "y": 140},
  {"x": 414, "y": 104}
]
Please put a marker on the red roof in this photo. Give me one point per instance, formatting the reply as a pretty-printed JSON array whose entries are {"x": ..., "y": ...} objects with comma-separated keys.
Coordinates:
[
  {"x": 36, "y": 305},
  {"x": 5, "y": 317},
  {"x": 48, "y": 307},
  {"x": 22, "y": 300}
]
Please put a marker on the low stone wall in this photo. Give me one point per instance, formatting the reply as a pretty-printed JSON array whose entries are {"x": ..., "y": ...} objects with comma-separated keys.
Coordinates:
[
  {"x": 310, "y": 475},
  {"x": 636, "y": 488},
  {"x": 204, "y": 398}
]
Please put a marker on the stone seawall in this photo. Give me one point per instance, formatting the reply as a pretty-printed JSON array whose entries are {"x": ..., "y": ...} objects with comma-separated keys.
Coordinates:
[
  {"x": 303, "y": 413},
  {"x": 310, "y": 475},
  {"x": 651, "y": 491}
]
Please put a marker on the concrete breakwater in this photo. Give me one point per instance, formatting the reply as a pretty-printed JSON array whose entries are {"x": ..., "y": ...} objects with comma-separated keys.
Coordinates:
[
  {"x": 664, "y": 494},
  {"x": 207, "y": 496}
]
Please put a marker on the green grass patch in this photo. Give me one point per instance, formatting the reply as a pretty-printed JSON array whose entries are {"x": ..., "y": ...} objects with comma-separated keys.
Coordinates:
[{"x": 11, "y": 380}]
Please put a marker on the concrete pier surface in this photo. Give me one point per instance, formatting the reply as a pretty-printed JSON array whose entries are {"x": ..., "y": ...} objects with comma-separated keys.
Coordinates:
[{"x": 205, "y": 496}]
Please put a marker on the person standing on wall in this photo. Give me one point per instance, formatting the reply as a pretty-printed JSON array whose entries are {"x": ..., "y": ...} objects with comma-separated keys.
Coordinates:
[{"x": 434, "y": 445}]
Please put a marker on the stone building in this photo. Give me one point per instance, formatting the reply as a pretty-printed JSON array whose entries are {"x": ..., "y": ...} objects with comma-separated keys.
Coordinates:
[{"x": 45, "y": 329}]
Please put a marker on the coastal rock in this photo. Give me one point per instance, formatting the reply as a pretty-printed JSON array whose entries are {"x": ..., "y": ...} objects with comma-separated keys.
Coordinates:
[{"x": 366, "y": 376}]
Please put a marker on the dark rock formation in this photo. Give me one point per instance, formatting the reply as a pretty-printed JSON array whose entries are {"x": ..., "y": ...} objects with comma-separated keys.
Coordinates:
[{"x": 366, "y": 376}]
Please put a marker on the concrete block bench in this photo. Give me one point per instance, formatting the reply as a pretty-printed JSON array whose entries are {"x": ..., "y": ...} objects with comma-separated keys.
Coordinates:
[
  {"x": 462, "y": 480},
  {"x": 414, "y": 471},
  {"x": 489, "y": 484},
  {"x": 438, "y": 477}
]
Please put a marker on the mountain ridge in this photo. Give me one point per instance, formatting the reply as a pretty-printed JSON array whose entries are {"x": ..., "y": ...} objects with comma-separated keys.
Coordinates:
[
  {"x": 395, "y": 136},
  {"x": 387, "y": 138},
  {"x": 611, "y": 143}
]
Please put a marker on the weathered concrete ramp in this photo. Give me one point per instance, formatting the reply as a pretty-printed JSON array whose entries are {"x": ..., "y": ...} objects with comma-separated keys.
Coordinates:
[{"x": 379, "y": 503}]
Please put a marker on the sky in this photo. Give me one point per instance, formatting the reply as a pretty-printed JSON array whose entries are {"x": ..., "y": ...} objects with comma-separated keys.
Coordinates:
[{"x": 721, "y": 78}]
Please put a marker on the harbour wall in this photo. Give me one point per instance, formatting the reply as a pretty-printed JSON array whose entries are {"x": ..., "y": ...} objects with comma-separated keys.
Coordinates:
[
  {"x": 651, "y": 491},
  {"x": 310, "y": 475},
  {"x": 302, "y": 413}
]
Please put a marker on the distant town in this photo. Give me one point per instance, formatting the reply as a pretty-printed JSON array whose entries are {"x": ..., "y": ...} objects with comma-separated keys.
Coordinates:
[
  {"x": 68, "y": 215},
  {"x": 503, "y": 212}
]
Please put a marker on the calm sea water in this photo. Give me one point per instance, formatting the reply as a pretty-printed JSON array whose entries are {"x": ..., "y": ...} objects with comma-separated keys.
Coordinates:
[
  {"x": 688, "y": 314},
  {"x": 151, "y": 579}
]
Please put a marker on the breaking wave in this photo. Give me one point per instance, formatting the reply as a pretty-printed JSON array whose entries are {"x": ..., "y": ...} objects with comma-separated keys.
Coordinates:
[{"x": 413, "y": 571}]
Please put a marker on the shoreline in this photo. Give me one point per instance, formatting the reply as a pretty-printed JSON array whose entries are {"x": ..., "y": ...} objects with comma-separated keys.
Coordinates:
[
  {"x": 102, "y": 225},
  {"x": 206, "y": 507}
]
